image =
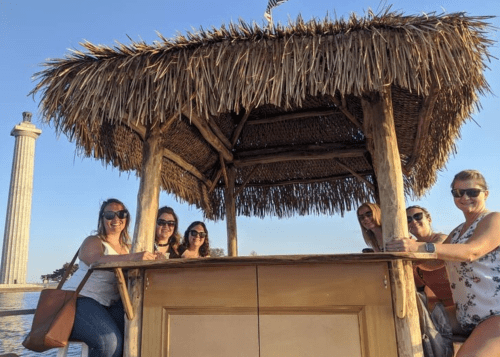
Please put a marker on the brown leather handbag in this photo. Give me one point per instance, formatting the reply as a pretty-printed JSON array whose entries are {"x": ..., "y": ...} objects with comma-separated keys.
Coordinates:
[{"x": 54, "y": 316}]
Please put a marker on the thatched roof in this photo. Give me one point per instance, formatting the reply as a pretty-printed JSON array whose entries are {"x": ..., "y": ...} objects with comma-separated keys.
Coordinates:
[{"x": 282, "y": 106}]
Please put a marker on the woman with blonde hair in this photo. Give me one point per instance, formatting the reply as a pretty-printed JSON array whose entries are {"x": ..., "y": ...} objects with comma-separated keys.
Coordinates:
[
  {"x": 370, "y": 220},
  {"x": 472, "y": 257}
]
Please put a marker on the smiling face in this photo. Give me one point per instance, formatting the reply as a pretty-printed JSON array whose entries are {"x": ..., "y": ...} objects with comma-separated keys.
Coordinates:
[
  {"x": 470, "y": 205},
  {"x": 115, "y": 225},
  {"x": 421, "y": 229},
  {"x": 196, "y": 242},
  {"x": 165, "y": 231},
  {"x": 365, "y": 217}
]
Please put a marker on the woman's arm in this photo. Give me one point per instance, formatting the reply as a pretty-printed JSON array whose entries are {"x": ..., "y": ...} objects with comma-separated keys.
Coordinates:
[
  {"x": 92, "y": 251},
  {"x": 485, "y": 238}
]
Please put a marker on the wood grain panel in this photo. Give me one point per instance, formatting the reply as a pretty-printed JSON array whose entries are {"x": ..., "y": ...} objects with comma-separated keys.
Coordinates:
[
  {"x": 324, "y": 285},
  {"x": 177, "y": 301}
]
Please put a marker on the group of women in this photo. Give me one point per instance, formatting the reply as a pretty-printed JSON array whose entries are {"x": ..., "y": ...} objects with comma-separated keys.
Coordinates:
[
  {"x": 466, "y": 278},
  {"x": 99, "y": 318}
]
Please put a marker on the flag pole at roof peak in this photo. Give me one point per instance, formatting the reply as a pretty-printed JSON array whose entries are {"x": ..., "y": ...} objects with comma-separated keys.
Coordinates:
[{"x": 270, "y": 5}]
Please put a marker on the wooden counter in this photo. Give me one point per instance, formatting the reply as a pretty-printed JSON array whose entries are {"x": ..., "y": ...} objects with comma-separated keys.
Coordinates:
[{"x": 314, "y": 305}]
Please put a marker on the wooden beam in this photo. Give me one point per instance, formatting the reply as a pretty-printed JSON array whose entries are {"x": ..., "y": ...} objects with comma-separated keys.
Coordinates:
[
  {"x": 294, "y": 116},
  {"x": 308, "y": 147},
  {"x": 230, "y": 200},
  {"x": 138, "y": 128},
  {"x": 216, "y": 130},
  {"x": 186, "y": 166},
  {"x": 207, "y": 133},
  {"x": 387, "y": 161},
  {"x": 343, "y": 108},
  {"x": 298, "y": 156},
  {"x": 424, "y": 120},
  {"x": 239, "y": 128},
  {"x": 215, "y": 180},
  {"x": 141, "y": 129},
  {"x": 377, "y": 108},
  {"x": 359, "y": 177},
  {"x": 404, "y": 302},
  {"x": 122, "y": 288},
  {"x": 306, "y": 181},
  {"x": 249, "y": 176},
  {"x": 144, "y": 234},
  {"x": 224, "y": 171}
]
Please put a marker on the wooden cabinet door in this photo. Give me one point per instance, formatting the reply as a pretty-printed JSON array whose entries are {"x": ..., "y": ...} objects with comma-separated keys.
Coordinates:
[
  {"x": 198, "y": 312},
  {"x": 326, "y": 310}
]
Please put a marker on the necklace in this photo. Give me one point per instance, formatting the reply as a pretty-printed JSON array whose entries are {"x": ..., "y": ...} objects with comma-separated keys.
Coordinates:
[
  {"x": 162, "y": 245},
  {"x": 467, "y": 226}
]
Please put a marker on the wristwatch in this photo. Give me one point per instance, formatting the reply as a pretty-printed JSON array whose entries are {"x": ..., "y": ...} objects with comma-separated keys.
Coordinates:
[{"x": 430, "y": 247}]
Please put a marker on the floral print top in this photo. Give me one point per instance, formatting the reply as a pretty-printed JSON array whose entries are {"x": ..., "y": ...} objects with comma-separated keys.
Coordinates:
[{"x": 475, "y": 285}]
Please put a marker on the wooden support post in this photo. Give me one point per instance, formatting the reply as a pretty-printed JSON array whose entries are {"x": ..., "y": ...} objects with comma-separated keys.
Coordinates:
[
  {"x": 408, "y": 334},
  {"x": 377, "y": 110},
  {"x": 230, "y": 198},
  {"x": 144, "y": 235}
]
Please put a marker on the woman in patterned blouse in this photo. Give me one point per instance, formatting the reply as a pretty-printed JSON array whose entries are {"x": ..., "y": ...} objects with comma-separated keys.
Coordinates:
[{"x": 472, "y": 256}]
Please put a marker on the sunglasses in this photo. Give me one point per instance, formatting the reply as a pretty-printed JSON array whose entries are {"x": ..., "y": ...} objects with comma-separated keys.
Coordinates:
[
  {"x": 470, "y": 192},
  {"x": 417, "y": 217},
  {"x": 109, "y": 215},
  {"x": 195, "y": 234},
  {"x": 163, "y": 223},
  {"x": 368, "y": 214}
]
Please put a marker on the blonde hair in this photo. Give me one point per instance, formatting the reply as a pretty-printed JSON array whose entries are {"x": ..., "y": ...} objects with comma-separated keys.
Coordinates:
[
  {"x": 368, "y": 235},
  {"x": 470, "y": 175}
]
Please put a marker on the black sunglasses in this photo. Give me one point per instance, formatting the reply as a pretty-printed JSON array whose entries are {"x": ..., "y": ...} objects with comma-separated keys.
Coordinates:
[
  {"x": 109, "y": 215},
  {"x": 195, "y": 234},
  {"x": 368, "y": 214},
  {"x": 163, "y": 223},
  {"x": 417, "y": 217},
  {"x": 470, "y": 192}
]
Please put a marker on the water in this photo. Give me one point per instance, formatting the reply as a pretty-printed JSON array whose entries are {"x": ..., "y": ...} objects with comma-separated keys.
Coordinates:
[{"x": 14, "y": 328}]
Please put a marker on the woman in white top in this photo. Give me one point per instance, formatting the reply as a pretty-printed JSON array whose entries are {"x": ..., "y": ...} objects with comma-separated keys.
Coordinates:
[
  {"x": 472, "y": 256},
  {"x": 99, "y": 319}
]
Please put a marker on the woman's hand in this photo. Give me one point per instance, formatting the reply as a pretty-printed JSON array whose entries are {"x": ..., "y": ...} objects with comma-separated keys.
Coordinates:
[
  {"x": 142, "y": 256},
  {"x": 402, "y": 245},
  {"x": 160, "y": 256}
]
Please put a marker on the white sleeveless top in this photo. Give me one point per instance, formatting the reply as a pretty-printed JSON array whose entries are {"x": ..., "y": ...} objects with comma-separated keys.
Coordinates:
[
  {"x": 475, "y": 285},
  {"x": 100, "y": 286}
]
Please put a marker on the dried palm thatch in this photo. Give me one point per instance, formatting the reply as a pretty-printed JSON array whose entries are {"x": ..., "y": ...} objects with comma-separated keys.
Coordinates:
[{"x": 281, "y": 106}]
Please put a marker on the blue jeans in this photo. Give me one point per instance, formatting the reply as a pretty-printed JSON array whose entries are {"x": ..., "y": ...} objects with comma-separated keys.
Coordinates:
[{"x": 100, "y": 327}]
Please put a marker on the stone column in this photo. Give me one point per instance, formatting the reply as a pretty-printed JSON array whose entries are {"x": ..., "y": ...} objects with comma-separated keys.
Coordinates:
[{"x": 17, "y": 222}]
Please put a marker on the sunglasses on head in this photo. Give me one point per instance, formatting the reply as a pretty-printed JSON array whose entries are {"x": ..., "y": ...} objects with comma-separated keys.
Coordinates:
[
  {"x": 109, "y": 215},
  {"x": 470, "y": 192},
  {"x": 163, "y": 223},
  {"x": 195, "y": 234},
  {"x": 368, "y": 214},
  {"x": 417, "y": 217}
]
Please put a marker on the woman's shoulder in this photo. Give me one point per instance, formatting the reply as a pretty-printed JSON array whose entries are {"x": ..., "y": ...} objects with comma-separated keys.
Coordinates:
[{"x": 92, "y": 239}]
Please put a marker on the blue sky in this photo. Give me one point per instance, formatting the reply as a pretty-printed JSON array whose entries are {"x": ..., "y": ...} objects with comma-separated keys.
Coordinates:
[{"x": 68, "y": 189}]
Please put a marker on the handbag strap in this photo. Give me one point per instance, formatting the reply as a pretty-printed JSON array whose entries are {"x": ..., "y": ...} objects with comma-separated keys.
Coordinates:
[{"x": 68, "y": 271}]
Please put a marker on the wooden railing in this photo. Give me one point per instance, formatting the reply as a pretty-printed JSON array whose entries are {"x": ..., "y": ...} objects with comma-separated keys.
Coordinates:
[{"x": 17, "y": 312}]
